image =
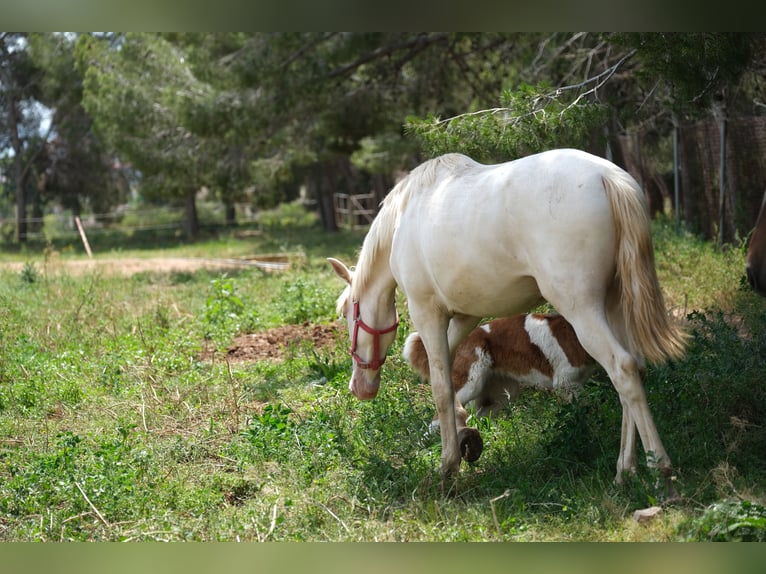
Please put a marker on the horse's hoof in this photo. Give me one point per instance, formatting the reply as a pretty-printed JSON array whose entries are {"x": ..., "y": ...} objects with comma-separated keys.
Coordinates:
[{"x": 471, "y": 444}]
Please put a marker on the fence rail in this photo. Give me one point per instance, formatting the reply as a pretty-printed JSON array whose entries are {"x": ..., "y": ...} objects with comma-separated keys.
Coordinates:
[
  {"x": 354, "y": 211},
  {"x": 63, "y": 224}
]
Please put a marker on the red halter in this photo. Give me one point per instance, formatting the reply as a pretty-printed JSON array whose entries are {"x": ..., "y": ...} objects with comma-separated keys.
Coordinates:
[{"x": 377, "y": 362}]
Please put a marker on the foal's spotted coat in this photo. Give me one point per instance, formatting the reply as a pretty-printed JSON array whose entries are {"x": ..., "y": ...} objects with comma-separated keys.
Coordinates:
[{"x": 500, "y": 357}]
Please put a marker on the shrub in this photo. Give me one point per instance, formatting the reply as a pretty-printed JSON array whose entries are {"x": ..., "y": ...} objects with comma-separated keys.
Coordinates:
[{"x": 728, "y": 521}]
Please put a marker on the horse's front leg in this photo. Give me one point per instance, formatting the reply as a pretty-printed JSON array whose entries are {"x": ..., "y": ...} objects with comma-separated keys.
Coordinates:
[
  {"x": 469, "y": 439},
  {"x": 433, "y": 333},
  {"x": 452, "y": 415},
  {"x": 440, "y": 337}
]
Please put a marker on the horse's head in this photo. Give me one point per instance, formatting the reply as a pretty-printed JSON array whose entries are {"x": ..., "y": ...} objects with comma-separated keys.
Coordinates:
[{"x": 370, "y": 339}]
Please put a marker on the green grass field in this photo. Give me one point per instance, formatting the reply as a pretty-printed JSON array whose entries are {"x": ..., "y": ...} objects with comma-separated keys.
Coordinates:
[{"x": 113, "y": 426}]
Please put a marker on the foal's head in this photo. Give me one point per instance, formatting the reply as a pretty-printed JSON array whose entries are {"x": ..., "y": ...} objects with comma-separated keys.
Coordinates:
[{"x": 372, "y": 333}]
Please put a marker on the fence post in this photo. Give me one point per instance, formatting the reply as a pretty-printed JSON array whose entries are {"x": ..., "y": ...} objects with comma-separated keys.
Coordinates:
[{"x": 82, "y": 236}]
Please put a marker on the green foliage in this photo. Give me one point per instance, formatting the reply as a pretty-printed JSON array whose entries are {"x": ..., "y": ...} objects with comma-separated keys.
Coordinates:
[
  {"x": 225, "y": 313},
  {"x": 29, "y": 274},
  {"x": 385, "y": 153},
  {"x": 136, "y": 87},
  {"x": 698, "y": 275},
  {"x": 288, "y": 215},
  {"x": 111, "y": 473},
  {"x": 728, "y": 521},
  {"x": 694, "y": 67},
  {"x": 272, "y": 422},
  {"x": 78, "y": 166},
  {"x": 531, "y": 119},
  {"x": 710, "y": 400},
  {"x": 301, "y": 301}
]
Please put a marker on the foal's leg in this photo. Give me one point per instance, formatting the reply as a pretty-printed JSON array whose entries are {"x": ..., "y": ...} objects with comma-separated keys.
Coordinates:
[{"x": 498, "y": 391}]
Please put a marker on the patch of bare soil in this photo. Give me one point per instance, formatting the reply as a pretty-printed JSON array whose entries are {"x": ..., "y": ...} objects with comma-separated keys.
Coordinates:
[
  {"x": 133, "y": 265},
  {"x": 274, "y": 344}
]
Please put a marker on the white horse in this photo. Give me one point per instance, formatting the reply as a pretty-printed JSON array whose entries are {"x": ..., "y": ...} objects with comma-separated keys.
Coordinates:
[{"x": 465, "y": 241}]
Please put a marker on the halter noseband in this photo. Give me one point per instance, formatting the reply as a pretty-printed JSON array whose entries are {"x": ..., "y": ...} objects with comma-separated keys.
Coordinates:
[{"x": 377, "y": 362}]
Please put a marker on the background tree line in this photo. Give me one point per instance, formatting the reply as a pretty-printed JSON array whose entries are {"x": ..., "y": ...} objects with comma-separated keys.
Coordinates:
[{"x": 252, "y": 117}]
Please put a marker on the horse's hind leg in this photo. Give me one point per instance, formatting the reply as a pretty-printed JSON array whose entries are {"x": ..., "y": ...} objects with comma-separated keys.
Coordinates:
[
  {"x": 627, "y": 459},
  {"x": 459, "y": 328},
  {"x": 624, "y": 370}
]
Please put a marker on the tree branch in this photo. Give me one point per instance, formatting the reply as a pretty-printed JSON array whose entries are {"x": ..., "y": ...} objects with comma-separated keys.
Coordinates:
[
  {"x": 599, "y": 80},
  {"x": 415, "y": 45}
]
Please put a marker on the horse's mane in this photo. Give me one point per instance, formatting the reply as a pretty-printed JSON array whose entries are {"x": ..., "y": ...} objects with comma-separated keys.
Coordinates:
[{"x": 377, "y": 243}]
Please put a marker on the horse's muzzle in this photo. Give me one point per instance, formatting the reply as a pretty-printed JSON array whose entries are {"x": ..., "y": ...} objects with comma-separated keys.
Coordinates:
[{"x": 362, "y": 387}]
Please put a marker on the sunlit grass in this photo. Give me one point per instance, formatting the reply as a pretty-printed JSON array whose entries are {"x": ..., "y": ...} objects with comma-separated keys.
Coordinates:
[{"x": 697, "y": 274}]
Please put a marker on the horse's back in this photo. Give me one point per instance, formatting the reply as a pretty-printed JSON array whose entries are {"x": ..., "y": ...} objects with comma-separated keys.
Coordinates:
[{"x": 546, "y": 193}]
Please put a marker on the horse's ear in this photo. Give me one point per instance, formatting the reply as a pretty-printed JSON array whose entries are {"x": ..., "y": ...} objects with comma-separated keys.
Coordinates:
[{"x": 340, "y": 269}]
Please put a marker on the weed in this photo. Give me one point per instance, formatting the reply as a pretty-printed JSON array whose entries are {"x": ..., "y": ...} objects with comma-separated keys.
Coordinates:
[
  {"x": 327, "y": 367},
  {"x": 727, "y": 521},
  {"x": 301, "y": 301},
  {"x": 29, "y": 273},
  {"x": 225, "y": 313},
  {"x": 272, "y": 424}
]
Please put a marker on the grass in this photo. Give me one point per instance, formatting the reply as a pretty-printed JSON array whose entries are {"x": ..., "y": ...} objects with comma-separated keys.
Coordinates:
[{"x": 112, "y": 427}]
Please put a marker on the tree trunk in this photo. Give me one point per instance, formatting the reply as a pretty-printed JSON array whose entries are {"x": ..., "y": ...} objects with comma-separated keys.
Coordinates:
[
  {"x": 19, "y": 174},
  {"x": 21, "y": 200},
  {"x": 191, "y": 221},
  {"x": 231, "y": 215},
  {"x": 698, "y": 151},
  {"x": 632, "y": 158},
  {"x": 676, "y": 172},
  {"x": 722, "y": 173},
  {"x": 324, "y": 189}
]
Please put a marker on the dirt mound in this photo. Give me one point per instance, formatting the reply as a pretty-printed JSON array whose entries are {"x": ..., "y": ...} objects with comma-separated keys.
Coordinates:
[{"x": 273, "y": 344}]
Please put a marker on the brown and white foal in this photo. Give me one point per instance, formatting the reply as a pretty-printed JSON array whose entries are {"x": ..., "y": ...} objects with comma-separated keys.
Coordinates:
[{"x": 500, "y": 357}]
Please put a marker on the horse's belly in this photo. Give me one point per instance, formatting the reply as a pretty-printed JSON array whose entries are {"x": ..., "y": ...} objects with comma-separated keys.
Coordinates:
[
  {"x": 471, "y": 271},
  {"x": 488, "y": 294}
]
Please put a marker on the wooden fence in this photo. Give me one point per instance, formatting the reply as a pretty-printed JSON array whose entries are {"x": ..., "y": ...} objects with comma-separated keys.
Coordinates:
[{"x": 354, "y": 211}]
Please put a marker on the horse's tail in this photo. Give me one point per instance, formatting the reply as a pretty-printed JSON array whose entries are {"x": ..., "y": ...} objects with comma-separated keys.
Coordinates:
[
  {"x": 414, "y": 353},
  {"x": 649, "y": 329}
]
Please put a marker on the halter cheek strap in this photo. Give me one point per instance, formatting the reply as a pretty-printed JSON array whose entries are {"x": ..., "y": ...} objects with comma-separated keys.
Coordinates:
[{"x": 377, "y": 361}]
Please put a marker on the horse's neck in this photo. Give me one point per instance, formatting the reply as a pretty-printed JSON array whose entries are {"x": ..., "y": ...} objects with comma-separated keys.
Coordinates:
[
  {"x": 375, "y": 285},
  {"x": 381, "y": 284},
  {"x": 374, "y": 281}
]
